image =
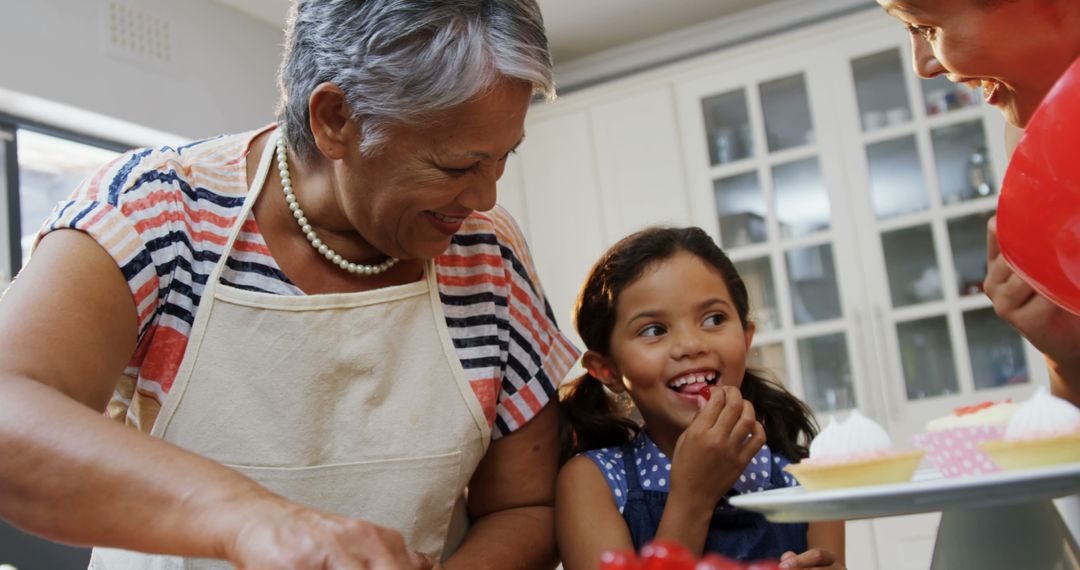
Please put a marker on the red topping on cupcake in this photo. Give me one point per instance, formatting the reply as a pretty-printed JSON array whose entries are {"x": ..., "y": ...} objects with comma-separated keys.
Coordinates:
[{"x": 965, "y": 410}]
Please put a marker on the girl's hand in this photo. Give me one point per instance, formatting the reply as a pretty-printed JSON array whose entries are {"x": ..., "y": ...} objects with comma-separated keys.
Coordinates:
[
  {"x": 813, "y": 558},
  {"x": 299, "y": 538},
  {"x": 715, "y": 448}
]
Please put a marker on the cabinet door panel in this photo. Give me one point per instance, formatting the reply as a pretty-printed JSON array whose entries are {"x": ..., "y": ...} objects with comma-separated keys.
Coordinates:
[
  {"x": 923, "y": 181},
  {"x": 563, "y": 206},
  {"x": 511, "y": 190},
  {"x": 639, "y": 163}
]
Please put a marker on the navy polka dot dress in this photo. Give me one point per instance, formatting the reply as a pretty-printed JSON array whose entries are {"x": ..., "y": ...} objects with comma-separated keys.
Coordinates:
[
  {"x": 654, "y": 469},
  {"x": 639, "y": 476}
]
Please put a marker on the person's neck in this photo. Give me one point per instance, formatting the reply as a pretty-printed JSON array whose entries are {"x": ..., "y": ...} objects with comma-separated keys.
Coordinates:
[{"x": 664, "y": 441}]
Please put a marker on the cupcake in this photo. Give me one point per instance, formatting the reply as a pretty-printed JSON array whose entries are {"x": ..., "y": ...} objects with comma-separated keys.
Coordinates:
[
  {"x": 951, "y": 442},
  {"x": 853, "y": 453},
  {"x": 1045, "y": 430}
]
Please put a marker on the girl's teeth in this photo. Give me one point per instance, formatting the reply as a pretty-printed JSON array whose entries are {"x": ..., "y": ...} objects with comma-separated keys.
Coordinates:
[{"x": 693, "y": 379}]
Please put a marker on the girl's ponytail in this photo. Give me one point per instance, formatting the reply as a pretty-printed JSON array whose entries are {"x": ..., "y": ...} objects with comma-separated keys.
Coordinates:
[
  {"x": 788, "y": 421},
  {"x": 590, "y": 419}
]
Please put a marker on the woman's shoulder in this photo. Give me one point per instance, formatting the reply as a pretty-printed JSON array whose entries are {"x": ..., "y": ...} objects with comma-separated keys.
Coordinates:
[
  {"x": 496, "y": 221},
  {"x": 494, "y": 231},
  {"x": 491, "y": 244},
  {"x": 208, "y": 169}
]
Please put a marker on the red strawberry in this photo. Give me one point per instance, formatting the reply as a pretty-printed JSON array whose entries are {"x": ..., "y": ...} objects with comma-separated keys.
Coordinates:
[
  {"x": 666, "y": 555},
  {"x": 619, "y": 560},
  {"x": 705, "y": 393},
  {"x": 717, "y": 562}
]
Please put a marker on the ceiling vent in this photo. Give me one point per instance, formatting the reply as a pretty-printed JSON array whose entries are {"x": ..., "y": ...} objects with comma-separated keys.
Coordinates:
[{"x": 131, "y": 32}]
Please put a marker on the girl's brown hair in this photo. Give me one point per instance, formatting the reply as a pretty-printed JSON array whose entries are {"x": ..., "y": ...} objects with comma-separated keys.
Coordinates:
[{"x": 592, "y": 419}]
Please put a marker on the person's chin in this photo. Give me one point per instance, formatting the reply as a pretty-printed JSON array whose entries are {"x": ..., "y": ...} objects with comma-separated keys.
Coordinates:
[
  {"x": 1016, "y": 112},
  {"x": 431, "y": 247}
]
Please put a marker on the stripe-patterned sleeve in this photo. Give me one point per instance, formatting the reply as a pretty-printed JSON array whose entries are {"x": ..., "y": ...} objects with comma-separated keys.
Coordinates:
[
  {"x": 539, "y": 355},
  {"x": 100, "y": 207}
]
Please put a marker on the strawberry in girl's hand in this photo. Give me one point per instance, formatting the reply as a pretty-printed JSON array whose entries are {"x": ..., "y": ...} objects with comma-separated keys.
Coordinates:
[
  {"x": 619, "y": 560},
  {"x": 705, "y": 393},
  {"x": 666, "y": 555}
]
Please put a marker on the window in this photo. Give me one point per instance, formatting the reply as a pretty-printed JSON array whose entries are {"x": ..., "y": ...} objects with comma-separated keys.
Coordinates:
[{"x": 39, "y": 167}]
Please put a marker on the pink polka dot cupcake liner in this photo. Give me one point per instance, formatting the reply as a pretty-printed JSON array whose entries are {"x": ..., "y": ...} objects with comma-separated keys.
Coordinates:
[{"x": 955, "y": 452}]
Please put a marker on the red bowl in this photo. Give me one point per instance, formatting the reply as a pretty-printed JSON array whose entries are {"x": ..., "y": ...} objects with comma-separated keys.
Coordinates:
[{"x": 1038, "y": 217}]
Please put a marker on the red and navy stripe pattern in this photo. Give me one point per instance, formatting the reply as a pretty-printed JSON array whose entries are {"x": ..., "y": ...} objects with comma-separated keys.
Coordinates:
[{"x": 165, "y": 214}]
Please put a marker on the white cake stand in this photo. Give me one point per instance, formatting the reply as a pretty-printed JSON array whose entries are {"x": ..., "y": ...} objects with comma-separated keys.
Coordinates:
[{"x": 1005, "y": 521}]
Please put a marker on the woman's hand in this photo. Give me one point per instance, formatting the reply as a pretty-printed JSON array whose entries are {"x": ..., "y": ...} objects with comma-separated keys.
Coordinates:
[
  {"x": 813, "y": 558},
  {"x": 1051, "y": 329},
  {"x": 716, "y": 447},
  {"x": 299, "y": 538}
]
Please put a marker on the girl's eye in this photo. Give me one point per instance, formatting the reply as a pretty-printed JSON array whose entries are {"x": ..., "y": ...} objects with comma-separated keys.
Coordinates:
[
  {"x": 714, "y": 320},
  {"x": 652, "y": 330},
  {"x": 926, "y": 32}
]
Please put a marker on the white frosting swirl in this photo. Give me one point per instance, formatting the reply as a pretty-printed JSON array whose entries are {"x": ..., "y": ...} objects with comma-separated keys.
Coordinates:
[
  {"x": 857, "y": 436},
  {"x": 1044, "y": 415}
]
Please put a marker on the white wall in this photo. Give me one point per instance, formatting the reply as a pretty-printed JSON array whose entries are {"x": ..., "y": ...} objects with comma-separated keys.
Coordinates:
[{"x": 220, "y": 76}]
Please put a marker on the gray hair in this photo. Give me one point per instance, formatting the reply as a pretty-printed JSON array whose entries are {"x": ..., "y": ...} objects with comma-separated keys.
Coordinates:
[{"x": 401, "y": 61}]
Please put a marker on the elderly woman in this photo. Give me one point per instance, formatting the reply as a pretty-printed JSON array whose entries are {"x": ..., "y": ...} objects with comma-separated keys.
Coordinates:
[
  {"x": 326, "y": 326},
  {"x": 1016, "y": 50}
]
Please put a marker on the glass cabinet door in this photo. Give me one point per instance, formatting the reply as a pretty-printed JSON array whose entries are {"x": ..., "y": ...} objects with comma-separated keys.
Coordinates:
[
  {"x": 774, "y": 215},
  {"x": 931, "y": 186}
]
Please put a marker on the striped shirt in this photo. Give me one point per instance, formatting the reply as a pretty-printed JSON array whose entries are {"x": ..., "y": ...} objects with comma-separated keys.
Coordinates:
[{"x": 164, "y": 216}]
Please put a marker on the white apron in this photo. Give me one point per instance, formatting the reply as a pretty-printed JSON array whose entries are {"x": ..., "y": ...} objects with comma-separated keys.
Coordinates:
[{"x": 352, "y": 403}]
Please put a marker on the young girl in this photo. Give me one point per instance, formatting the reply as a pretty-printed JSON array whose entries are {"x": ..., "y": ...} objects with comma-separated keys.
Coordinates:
[{"x": 663, "y": 315}]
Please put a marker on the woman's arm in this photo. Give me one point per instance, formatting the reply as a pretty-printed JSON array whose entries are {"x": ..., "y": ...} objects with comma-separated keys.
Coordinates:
[
  {"x": 511, "y": 498},
  {"x": 1051, "y": 329},
  {"x": 67, "y": 330},
  {"x": 824, "y": 548},
  {"x": 587, "y": 521}
]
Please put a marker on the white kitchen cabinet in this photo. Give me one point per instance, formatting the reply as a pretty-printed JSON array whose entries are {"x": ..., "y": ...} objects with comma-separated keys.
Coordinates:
[
  {"x": 563, "y": 206},
  {"x": 852, "y": 196},
  {"x": 628, "y": 133}
]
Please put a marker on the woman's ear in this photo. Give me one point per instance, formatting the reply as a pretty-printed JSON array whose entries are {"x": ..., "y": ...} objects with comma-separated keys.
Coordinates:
[
  {"x": 330, "y": 120},
  {"x": 603, "y": 369}
]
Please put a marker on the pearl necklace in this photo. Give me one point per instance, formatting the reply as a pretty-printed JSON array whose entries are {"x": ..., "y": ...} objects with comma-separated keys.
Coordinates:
[{"x": 301, "y": 219}]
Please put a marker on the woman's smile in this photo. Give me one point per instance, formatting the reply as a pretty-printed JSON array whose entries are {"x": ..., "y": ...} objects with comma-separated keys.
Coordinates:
[{"x": 448, "y": 225}]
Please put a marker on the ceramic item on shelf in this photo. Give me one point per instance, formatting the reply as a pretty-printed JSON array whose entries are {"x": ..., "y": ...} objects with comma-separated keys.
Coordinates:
[
  {"x": 1038, "y": 218},
  {"x": 897, "y": 115},
  {"x": 873, "y": 120}
]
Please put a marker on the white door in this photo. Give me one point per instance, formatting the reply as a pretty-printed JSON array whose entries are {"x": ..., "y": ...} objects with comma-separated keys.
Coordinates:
[
  {"x": 854, "y": 198},
  {"x": 925, "y": 160}
]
